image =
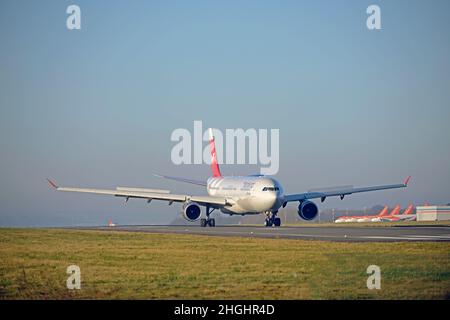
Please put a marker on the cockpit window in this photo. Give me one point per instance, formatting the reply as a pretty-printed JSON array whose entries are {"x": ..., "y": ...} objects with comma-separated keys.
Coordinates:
[{"x": 270, "y": 189}]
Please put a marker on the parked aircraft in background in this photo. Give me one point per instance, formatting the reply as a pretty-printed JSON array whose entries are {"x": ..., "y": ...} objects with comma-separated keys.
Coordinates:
[
  {"x": 383, "y": 216},
  {"x": 367, "y": 218},
  {"x": 409, "y": 209},
  {"x": 407, "y": 215},
  {"x": 372, "y": 218},
  {"x": 232, "y": 195},
  {"x": 395, "y": 211}
]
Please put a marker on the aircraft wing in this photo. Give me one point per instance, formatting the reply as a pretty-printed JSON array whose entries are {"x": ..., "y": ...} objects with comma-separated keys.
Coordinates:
[
  {"x": 342, "y": 192},
  {"x": 149, "y": 194}
]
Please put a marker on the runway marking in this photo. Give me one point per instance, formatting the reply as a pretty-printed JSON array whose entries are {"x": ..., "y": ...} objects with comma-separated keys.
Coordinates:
[
  {"x": 407, "y": 237},
  {"x": 273, "y": 234},
  {"x": 256, "y": 233},
  {"x": 357, "y": 234},
  {"x": 426, "y": 236}
]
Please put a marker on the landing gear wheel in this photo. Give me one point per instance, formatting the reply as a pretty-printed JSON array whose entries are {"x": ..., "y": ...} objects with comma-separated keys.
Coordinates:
[
  {"x": 277, "y": 222},
  {"x": 208, "y": 221},
  {"x": 268, "y": 223}
]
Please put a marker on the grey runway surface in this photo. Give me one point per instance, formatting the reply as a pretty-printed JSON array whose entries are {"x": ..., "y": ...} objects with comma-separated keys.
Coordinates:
[{"x": 338, "y": 233}]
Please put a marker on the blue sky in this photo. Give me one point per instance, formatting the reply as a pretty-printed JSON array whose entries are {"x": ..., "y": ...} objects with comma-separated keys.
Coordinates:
[{"x": 95, "y": 107}]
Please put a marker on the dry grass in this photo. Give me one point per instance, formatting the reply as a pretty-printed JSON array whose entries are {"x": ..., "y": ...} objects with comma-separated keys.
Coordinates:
[{"x": 161, "y": 266}]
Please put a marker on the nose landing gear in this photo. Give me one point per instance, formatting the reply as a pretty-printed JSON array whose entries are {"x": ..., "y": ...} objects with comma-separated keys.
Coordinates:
[{"x": 272, "y": 219}]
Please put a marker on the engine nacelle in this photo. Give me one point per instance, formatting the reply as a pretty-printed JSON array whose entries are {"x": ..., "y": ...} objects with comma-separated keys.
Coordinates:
[
  {"x": 191, "y": 211},
  {"x": 307, "y": 210}
]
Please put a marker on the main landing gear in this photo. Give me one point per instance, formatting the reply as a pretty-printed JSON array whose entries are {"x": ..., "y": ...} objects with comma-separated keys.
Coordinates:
[
  {"x": 208, "y": 221},
  {"x": 272, "y": 219}
]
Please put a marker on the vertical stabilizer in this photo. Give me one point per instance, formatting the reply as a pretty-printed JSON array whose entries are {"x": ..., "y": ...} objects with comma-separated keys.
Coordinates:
[
  {"x": 384, "y": 211},
  {"x": 214, "y": 165},
  {"x": 395, "y": 211},
  {"x": 409, "y": 209}
]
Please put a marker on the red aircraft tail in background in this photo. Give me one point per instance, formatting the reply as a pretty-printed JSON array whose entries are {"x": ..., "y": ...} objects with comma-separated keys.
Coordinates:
[
  {"x": 395, "y": 211},
  {"x": 409, "y": 209},
  {"x": 383, "y": 212}
]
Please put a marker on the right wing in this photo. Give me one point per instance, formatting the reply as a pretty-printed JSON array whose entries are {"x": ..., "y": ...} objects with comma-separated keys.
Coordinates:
[
  {"x": 341, "y": 193},
  {"x": 149, "y": 194}
]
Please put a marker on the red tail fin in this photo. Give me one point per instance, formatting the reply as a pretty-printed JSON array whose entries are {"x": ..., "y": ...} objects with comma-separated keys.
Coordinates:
[
  {"x": 396, "y": 210},
  {"x": 384, "y": 211},
  {"x": 409, "y": 209},
  {"x": 214, "y": 165}
]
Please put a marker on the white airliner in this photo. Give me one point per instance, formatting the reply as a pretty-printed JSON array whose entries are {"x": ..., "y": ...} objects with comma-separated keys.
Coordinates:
[{"x": 244, "y": 195}]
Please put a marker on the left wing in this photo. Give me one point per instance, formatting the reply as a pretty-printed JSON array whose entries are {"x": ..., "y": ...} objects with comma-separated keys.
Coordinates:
[
  {"x": 342, "y": 192},
  {"x": 149, "y": 194}
]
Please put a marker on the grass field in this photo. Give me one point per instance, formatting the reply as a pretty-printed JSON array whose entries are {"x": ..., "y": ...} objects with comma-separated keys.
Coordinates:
[{"x": 125, "y": 265}]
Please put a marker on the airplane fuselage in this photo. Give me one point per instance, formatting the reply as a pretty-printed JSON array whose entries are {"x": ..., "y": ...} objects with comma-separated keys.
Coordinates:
[{"x": 249, "y": 194}]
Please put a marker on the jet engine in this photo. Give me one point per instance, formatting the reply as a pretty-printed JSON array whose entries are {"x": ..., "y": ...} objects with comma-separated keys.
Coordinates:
[
  {"x": 307, "y": 210},
  {"x": 191, "y": 211}
]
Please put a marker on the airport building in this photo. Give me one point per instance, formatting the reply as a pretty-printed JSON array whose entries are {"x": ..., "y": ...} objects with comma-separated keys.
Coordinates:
[{"x": 433, "y": 213}]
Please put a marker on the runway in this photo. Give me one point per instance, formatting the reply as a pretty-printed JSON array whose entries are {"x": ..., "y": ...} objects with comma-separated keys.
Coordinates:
[{"x": 336, "y": 233}]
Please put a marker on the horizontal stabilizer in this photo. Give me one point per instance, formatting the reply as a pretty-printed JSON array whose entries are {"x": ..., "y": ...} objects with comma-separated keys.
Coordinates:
[
  {"x": 143, "y": 190},
  {"x": 179, "y": 179}
]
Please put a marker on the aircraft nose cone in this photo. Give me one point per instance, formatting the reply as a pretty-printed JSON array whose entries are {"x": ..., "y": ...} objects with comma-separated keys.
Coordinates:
[{"x": 271, "y": 200}]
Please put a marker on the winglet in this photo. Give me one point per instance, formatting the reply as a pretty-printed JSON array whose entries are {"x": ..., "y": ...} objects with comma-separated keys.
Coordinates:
[
  {"x": 406, "y": 181},
  {"x": 52, "y": 184}
]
